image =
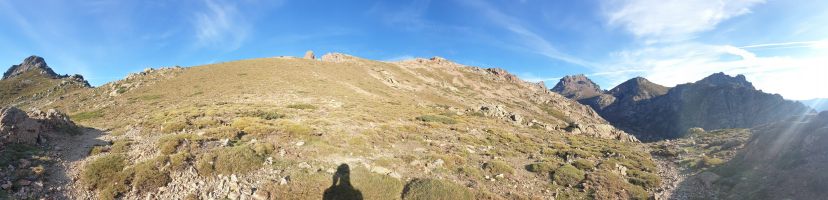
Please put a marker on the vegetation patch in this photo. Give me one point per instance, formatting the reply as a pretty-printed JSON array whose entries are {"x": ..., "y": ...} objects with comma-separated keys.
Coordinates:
[
  {"x": 302, "y": 106},
  {"x": 105, "y": 175},
  {"x": 233, "y": 160},
  {"x": 543, "y": 168},
  {"x": 434, "y": 189},
  {"x": 171, "y": 143},
  {"x": 266, "y": 115},
  {"x": 437, "y": 118},
  {"x": 583, "y": 164},
  {"x": 83, "y": 116},
  {"x": 568, "y": 175},
  {"x": 498, "y": 167},
  {"x": 644, "y": 179}
]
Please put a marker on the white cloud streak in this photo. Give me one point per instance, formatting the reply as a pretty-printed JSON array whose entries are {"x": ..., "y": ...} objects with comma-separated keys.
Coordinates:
[
  {"x": 672, "y": 20},
  {"x": 220, "y": 25},
  {"x": 528, "y": 39}
]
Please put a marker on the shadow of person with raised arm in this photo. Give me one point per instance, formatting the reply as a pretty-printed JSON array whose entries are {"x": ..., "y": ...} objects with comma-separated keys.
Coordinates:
[{"x": 341, "y": 188}]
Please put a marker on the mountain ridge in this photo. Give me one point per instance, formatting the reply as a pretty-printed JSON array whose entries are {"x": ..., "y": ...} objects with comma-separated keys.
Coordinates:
[{"x": 714, "y": 102}]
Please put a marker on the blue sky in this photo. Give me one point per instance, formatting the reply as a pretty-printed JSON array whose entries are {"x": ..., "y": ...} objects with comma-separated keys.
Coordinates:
[{"x": 781, "y": 46}]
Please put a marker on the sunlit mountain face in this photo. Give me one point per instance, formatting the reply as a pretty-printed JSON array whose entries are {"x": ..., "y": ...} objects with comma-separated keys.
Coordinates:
[{"x": 414, "y": 99}]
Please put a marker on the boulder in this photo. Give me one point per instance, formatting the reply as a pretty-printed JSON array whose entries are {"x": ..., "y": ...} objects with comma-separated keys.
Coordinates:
[
  {"x": 309, "y": 55},
  {"x": 17, "y": 127},
  {"x": 32, "y": 128}
]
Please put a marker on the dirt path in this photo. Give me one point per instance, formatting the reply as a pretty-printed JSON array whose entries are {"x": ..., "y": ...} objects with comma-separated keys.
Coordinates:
[
  {"x": 69, "y": 153},
  {"x": 671, "y": 178}
]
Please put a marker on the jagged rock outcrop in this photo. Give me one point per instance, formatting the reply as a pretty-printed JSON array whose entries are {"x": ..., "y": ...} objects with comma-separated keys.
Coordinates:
[
  {"x": 651, "y": 111},
  {"x": 32, "y": 63},
  {"x": 38, "y": 65},
  {"x": 577, "y": 87},
  {"x": 32, "y": 128},
  {"x": 33, "y": 82}
]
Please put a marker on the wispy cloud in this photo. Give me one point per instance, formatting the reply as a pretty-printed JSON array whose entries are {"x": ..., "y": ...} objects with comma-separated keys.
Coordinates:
[
  {"x": 409, "y": 17},
  {"x": 527, "y": 39},
  {"x": 802, "y": 44},
  {"x": 671, "y": 20},
  {"x": 220, "y": 25},
  {"x": 672, "y": 54}
]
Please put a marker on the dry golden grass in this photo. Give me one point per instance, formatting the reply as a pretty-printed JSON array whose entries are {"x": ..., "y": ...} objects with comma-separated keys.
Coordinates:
[{"x": 349, "y": 109}]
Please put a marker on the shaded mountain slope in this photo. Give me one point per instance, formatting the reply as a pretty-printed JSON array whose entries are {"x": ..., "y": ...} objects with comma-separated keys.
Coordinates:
[
  {"x": 780, "y": 160},
  {"x": 718, "y": 101}
]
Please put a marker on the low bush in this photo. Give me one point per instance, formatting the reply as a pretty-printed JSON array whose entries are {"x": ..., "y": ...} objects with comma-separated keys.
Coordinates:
[
  {"x": 174, "y": 126},
  {"x": 120, "y": 146},
  {"x": 437, "y": 118},
  {"x": 233, "y": 160},
  {"x": 302, "y": 106},
  {"x": 170, "y": 144},
  {"x": 83, "y": 116},
  {"x": 434, "y": 189},
  {"x": 542, "y": 168},
  {"x": 568, "y": 175},
  {"x": 498, "y": 167},
  {"x": 266, "y": 115},
  {"x": 102, "y": 171},
  {"x": 644, "y": 179},
  {"x": 583, "y": 164},
  {"x": 149, "y": 176}
]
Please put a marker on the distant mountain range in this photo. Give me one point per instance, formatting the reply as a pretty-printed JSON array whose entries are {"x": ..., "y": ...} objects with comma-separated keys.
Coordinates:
[
  {"x": 653, "y": 112},
  {"x": 817, "y": 104}
]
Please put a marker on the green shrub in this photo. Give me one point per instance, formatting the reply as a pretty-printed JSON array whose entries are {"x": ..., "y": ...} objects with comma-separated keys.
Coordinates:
[
  {"x": 711, "y": 162},
  {"x": 180, "y": 160},
  {"x": 102, "y": 171},
  {"x": 471, "y": 172},
  {"x": 97, "y": 149},
  {"x": 83, "y": 116},
  {"x": 222, "y": 132},
  {"x": 253, "y": 125},
  {"x": 174, "y": 126},
  {"x": 169, "y": 144},
  {"x": 583, "y": 164},
  {"x": 542, "y": 168},
  {"x": 231, "y": 160},
  {"x": 498, "y": 167},
  {"x": 437, "y": 118},
  {"x": 376, "y": 186},
  {"x": 433, "y": 189},
  {"x": 294, "y": 129},
  {"x": 568, "y": 175},
  {"x": 266, "y": 115},
  {"x": 148, "y": 175},
  {"x": 644, "y": 179},
  {"x": 120, "y": 146},
  {"x": 606, "y": 185},
  {"x": 302, "y": 106}
]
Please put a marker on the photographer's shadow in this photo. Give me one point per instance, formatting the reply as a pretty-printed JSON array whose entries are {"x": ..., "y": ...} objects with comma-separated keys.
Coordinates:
[{"x": 341, "y": 188}]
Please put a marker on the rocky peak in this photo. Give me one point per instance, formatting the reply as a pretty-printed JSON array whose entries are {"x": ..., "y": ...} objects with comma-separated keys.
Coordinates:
[
  {"x": 722, "y": 79},
  {"x": 577, "y": 87},
  {"x": 29, "y": 64},
  {"x": 638, "y": 88}
]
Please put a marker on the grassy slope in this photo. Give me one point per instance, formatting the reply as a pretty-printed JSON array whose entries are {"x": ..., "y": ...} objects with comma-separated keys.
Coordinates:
[
  {"x": 32, "y": 89},
  {"x": 357, "y": 113}
]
